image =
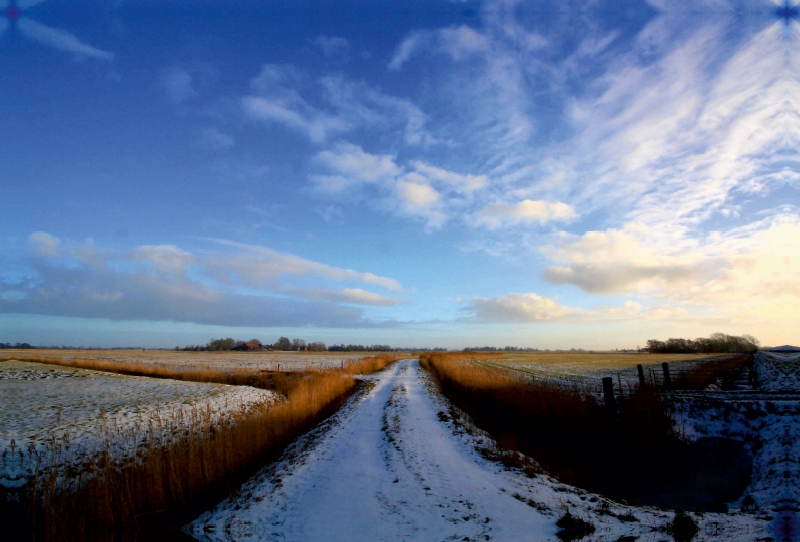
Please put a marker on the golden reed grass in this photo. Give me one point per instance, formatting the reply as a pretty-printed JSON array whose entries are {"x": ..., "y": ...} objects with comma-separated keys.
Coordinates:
[
  {"x": 565, "y": 428},
  {"x": 167, "y": 485}
]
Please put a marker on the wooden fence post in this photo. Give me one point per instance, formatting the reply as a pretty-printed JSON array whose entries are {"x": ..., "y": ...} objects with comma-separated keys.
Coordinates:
[
  {"x": 608, "y": 393},
  {"x": 667, "y": 379},
  {"x": 640, "y": 370}
]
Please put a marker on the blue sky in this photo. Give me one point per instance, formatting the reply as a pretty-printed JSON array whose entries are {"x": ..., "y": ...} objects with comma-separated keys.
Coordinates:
[{"x": 425, "y": 173}]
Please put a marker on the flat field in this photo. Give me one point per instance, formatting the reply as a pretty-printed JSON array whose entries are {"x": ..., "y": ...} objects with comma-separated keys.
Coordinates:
[
  {"x": 64, "y": 415},
  {"x": 589, "y": 366},
  {"x": 271, "y": 361}
]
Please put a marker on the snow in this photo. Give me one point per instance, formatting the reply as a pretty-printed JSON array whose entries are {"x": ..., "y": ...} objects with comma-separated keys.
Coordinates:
[
  {"x": 768, "y": 420},
  {"x": 778, "y": 371},
  {"x": 63, "y": 415},
  {"x": 589, "y": 372},
  {"x": 394, "y": 465},
  {"x": 266, "y": 360}
]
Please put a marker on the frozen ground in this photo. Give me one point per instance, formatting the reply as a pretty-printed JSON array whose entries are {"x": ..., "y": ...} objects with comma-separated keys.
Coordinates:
[
  {"x": 51, "y": 413},
  {"x": 393, "y": 465}
]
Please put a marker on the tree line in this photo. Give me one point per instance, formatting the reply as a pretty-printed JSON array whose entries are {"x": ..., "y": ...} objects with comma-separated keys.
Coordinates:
[
  {"x": 282, "y": 344},
  {"x": 17, "y": 346},
  {"x": 717, "y": 343}
]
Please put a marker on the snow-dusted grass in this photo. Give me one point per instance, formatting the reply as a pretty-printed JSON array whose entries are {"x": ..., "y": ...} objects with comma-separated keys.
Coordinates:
[
  {"x": 590, "y": 367},
  {"x": 178, "y": 473},
  {"x": 217, "y": 361},
  {"x": 61, "y": 416}
]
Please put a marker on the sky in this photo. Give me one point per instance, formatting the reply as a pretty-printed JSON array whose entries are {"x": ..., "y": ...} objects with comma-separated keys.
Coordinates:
[{"x": 414, "y": 173}]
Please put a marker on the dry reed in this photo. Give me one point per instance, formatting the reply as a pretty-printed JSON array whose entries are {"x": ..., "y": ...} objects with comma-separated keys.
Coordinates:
[
  {"x": 566, "y": 428},
  {"x": 170, "y": 481}
]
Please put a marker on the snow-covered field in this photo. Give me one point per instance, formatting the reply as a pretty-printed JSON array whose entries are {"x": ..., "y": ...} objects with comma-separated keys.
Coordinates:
[
  {"x": 272, "y": 361},
  {"x": 394, "y": 465},
  {"x": 51, "y": 413},
  {"x": 398, "y": 461},
  {"x": 587, "y": 368}
]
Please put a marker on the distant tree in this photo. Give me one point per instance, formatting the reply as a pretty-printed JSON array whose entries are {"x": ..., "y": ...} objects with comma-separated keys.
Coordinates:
[
  {"x": 753, "y": 344},
  {"x": 316, "y": 347},
  {"x": 717, "y": 343},
  {"x": 298, "y": 344},
  {"x": 216, "y": 345},
  {"x": 283, "y": 344}
]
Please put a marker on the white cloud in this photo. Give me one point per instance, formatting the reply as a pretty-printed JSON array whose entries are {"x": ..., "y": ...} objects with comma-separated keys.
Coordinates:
[
  {"x": 462, "y": 42},
  {"x": 244, "y": 285},
  {"x": 60, "y": 39},
  {"x": 675, "y": 141},
  {"x": 332, "y": 46},
  {"x": 455, "y": 181},
  {"x": 533, "y": 308},
  {"x": 417, "y": 195},
  {"x": 628, "y": 259},
  {"x": 332, "y": 214},
  {"x": 419, "y": 190},
  {"x": 410, "y": 45},
  {"x": 258, "y": 264},
  {"x": 519, "y": 308},
  {"x": 355, "y": 296},
  {"x": 363, "y": 106},
  {"x": 352, "y": 166},
  {"x": 317, "y": 126},
  {"x": 630, "y": 308},
  {"x": 46, "y": 244},
  {"x": 526, "y": 211},
  {"x": 344, "y": 106},
  {"x": 414, "y": 197},
  {"x": 669, "y": 127},
  {"x": 746, "y": 275},
  {"x": 459, "y": 43},
  {"x": 163, "y": 258},
  {"x": 214, "y": 139},
  {"x": 178, "y": 83}
]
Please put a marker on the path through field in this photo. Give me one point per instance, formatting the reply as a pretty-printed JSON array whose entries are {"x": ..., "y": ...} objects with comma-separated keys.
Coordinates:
[{"x": 391, "y": 467}]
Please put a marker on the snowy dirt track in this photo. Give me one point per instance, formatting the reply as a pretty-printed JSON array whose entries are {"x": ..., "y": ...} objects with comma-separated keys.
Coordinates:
[{"x": 390, "y": 466}]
